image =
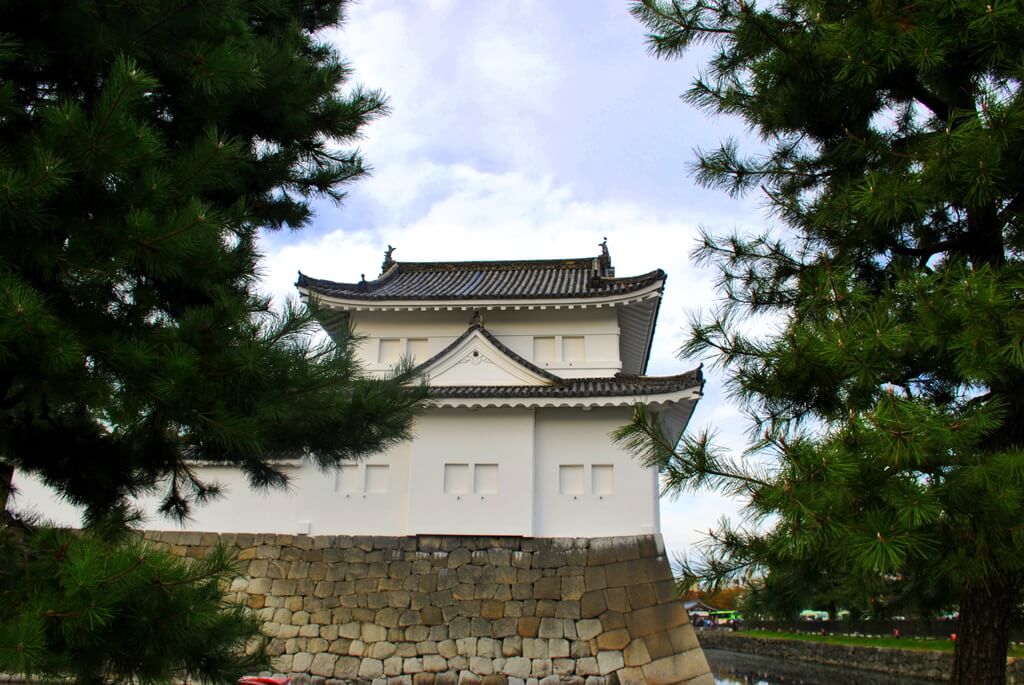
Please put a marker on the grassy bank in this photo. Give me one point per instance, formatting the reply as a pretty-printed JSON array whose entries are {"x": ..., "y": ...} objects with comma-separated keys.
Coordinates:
[{"x": 932, "y": 644}]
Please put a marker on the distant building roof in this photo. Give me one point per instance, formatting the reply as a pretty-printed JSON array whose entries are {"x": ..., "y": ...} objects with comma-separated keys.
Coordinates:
[{"x": 525, "y": 279}]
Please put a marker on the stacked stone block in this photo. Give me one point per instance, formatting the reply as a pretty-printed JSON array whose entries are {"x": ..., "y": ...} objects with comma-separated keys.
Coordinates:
[{"x": 456, "y": 610}]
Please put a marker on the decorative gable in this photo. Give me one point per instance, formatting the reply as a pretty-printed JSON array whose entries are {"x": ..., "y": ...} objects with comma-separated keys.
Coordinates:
[{"x": 477, "y": 358}]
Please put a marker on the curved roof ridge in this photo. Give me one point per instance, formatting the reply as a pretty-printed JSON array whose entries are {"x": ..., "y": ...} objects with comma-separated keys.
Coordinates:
[
  {"x": 639, "y": 277},
  {"x": 506, "y": 264},
  {"x": 699, "y": 371}
]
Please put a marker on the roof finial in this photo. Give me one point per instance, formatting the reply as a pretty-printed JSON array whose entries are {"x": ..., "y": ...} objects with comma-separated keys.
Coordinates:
[
  {"x": 605, "y": 260},
  {"x": 478, "y": 318},
  {"x": 388, "y": 261}
]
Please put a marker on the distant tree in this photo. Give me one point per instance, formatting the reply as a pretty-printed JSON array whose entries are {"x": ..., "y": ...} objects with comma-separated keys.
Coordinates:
[
  {"x": 727, "y": 597},
  {"x": 886, "y": 387},
  {"x": 143, "y": 147}
]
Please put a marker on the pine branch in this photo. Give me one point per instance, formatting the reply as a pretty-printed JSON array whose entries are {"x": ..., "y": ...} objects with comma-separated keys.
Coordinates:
[
  {"x": 693, "y": 466},
  {"x": 198, "y": 221},
  {"x": 181, "y": 8},
  {"x": 931, "y": 249}
]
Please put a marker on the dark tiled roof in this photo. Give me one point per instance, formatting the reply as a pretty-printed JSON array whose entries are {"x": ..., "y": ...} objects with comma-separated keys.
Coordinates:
[
  {"x": 587, "y": 277},
  {"x": 613, "y": 386},
  {"x": 494, "y": 341}
]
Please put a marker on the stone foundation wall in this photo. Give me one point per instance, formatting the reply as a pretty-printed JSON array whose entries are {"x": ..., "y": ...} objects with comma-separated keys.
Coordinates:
[{"x": 456, "y": 610}]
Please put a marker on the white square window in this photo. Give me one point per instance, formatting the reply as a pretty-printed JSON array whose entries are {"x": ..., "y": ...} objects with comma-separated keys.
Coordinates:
[
  {"x": 570, "y": 479},
  {"x": 573, "y": 348},
  {"x": 348, "y": 481},
  {"x": 416, "y": 349},
  {"x": 456, "y": 479},
  {"x": 390, "y": 350},
  {"x": 602, "y": 479},
  {"x": 377, "y": 479},
  {"x": 485, "y": 479},
  {"x": 543, "y": 349}
]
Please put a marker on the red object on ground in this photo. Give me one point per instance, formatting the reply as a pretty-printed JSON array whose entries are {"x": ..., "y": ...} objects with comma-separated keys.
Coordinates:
[
  {"x": 952, "y": 636},
  {"x": 254, "y": 680}
]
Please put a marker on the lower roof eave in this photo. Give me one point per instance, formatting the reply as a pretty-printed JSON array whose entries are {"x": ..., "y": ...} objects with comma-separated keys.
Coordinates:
[{"x": 653, "y": 401}]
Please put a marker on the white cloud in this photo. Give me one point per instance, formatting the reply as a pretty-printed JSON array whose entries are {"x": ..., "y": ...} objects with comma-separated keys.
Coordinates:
[{"x": 471, "y": 214}]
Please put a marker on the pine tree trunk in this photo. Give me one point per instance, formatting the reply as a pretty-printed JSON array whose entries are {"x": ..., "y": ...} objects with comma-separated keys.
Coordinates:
[
  {"x": 6, "y": 484},
  {"x": 983, "y": 634}
]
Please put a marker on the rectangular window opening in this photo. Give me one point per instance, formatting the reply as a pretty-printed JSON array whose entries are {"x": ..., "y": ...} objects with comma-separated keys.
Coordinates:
[
  {"x": 390, "y": 350},
  {"x": 602, "y": 479},
  {"x": 485, "y": 479},
  {"x": 570, "y": 479},
  {"x": 377, "y": 479},
  {"x": 543, "y": 349},
  {"x": 456, "y": 479},
  {"x": 347, "y": 480},
  {"x": 573, "y": 349},
  {"x": 416, "y": 349}
]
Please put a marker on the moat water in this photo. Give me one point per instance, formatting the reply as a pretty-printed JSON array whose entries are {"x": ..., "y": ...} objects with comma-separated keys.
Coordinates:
[{"x": 733, "y": 668}]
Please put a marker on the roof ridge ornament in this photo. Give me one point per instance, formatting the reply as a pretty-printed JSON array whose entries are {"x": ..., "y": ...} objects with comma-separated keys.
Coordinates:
[
  {"x": 602, "y": 266},
  {"x": 605, "y": 260},
  {"x": 477, "y": 319},
  {"x": 388, "y": 261}
]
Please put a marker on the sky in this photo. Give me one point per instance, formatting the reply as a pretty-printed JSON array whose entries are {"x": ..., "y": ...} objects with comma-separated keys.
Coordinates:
[{"x": 525, "y": 129}]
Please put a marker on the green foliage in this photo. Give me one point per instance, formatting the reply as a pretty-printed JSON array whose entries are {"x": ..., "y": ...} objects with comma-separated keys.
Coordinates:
[
  {"x": 68, "y": 601},
  {"x": 143, "y": 148},
  {"x": 873, "y": 332}
]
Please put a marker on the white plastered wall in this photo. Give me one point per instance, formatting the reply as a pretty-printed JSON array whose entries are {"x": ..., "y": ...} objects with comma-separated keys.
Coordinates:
[
  {"x": 315, "y": 502},
  {"x": 521, "y": 450},
  {"x": 571, "y": 443},
  {"x": 596, "y": 329},
  {"x": 501, "y": 438}
]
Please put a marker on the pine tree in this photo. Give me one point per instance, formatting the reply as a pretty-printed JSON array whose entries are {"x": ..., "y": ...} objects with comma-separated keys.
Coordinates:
[
  {"x": 874, "y": 331},
  {"x": 102, "y": 609},
  {"x": 143, "y": 147}
]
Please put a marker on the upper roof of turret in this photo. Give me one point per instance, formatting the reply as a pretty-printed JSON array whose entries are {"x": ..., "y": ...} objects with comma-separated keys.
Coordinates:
[{"x": 585, "y": 277}]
